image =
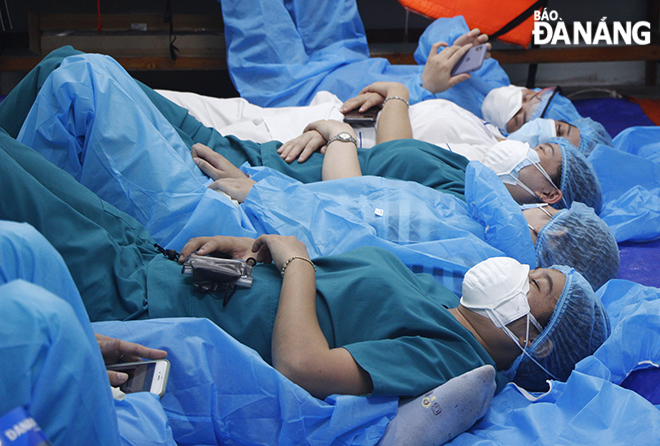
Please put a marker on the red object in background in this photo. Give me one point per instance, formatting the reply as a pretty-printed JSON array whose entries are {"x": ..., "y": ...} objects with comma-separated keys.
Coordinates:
[
  {"x": 99, "y": 26},
  {"x": 490, "y": 16}
]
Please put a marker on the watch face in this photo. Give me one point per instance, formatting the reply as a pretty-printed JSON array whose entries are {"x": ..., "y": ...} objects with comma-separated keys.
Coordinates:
[{"x": 343, "y": 137}]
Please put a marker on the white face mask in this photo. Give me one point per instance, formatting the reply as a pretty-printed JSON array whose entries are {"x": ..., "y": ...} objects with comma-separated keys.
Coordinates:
[
  {"x": 497, "y": 289},
  {"x": 508, "y": 157},
  {"x": 535, "y": 132},
  {"x": 501, "y": 104}
]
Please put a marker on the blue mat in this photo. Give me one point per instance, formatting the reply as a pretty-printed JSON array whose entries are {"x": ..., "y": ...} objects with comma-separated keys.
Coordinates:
[{"x": 616, "y": 114}]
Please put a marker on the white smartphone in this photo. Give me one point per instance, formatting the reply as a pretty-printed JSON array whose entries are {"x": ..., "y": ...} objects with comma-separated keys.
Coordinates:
[
  {"x": 144, "y": 376},
  {"x": 471, "y": 61}
]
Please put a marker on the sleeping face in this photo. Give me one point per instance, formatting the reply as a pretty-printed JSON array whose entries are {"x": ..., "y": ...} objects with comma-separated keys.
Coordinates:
[
  {"x": 550, "y": 160},
  {"x": 568, "y": 131}
]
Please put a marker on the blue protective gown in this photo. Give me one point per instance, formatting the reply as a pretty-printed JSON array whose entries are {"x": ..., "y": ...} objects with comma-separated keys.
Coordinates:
[
  {"x": 122, "y": 157},
  {"x": 295, "y": 49},
  {"x": 50, "y": 360},
  {"x": 210, "y": 398},
  {"x": 283, "y": 53}
]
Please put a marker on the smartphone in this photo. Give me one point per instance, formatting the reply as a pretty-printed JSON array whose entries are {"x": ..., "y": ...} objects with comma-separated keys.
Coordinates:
[
  {"x": 144, "y": 376},
  {"x": 471, "y": 61},
  {"x": 366, "y": 117}
]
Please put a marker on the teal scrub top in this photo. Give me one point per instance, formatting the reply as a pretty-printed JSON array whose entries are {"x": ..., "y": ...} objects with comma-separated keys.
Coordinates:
[{"x": 395, "y": 323}]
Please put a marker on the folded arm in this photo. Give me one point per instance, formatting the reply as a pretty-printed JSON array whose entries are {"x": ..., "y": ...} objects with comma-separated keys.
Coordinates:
[{"x": 393, "y": 122}]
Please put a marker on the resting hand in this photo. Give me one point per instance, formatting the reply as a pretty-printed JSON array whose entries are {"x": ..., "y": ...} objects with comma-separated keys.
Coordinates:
[
  {"x": 115, "y": 350},
  {"x": 374, "y": 95},
  {"x": 302, "y": 147},
  {"x": 436, "y": 76},
  {"x": 474, "y": 38},
  {"x": 278, "y": 249},
  {"x": 213, "y": 164},
  {"x": 313, "y": 138},
  {"x": 218, "y": 246},
  {"x": 236, "y": 188}
]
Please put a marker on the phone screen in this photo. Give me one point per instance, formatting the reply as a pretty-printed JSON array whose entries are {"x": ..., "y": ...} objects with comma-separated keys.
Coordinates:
[
  {"x": 139, "y": 378},
  {"x": 144, "y": 376}
]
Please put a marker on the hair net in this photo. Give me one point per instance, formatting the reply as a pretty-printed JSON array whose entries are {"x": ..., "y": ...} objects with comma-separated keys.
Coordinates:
[
  {"x": 501, "y": 104},
  {"x": 578, "y": 178},
  {"x": 578, "y": 238},
  {"x": 578, "y": 326},
  {"x": 591, "y": 133}
]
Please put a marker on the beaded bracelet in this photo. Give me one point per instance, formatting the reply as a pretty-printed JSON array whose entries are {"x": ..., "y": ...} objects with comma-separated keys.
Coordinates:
[
  {"x": 297, "y": 257},
  {"x": 395, "y": 97}
]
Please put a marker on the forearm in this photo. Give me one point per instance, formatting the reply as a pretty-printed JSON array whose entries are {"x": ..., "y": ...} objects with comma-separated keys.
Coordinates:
[
  {"x": 341, "y": 161},
  {"x": 301, "y": 351},
  {"x": 394, "y": 121}
]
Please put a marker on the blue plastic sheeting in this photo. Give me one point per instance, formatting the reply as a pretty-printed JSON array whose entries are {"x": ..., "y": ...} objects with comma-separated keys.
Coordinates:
[
  {"x": 616, "y": 114},
  {"x": 221, "y": 392},
  {"x": 286, "y": 60},
  {"x": 428, "y": 230},
  {"x": 629, "y": 175},
  {"x": 590, "y": 408}
]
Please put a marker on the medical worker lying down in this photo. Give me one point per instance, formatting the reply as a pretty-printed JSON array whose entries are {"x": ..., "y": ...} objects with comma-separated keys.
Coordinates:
[
  {"x": 306, "y": 318},
  {"x": 125, "y": 156},
  {"x": 530, "y": 175},
  {"x": 395, "y": 159},
  {"x": 53, "y": 366},
  {"x": 415, "y": 218},
  {"x": 436, "y": 121}
]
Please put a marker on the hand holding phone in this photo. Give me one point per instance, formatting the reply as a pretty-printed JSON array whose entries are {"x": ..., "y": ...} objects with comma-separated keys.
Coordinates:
[
  {"x": 471, "y": 61},
  {"x": 144, "y": 376},
  {"x": 367, "y": 117}
]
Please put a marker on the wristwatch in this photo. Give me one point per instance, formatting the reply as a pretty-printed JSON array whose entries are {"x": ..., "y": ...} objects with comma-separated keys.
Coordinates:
[{"x": 343, "y": 137}]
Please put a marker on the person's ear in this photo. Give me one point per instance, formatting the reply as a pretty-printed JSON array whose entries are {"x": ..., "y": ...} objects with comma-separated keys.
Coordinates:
[
  {"x": 522, "y": 340},
  {"x": 552, "y": 197},
  {"x": 542, "y": 351}
]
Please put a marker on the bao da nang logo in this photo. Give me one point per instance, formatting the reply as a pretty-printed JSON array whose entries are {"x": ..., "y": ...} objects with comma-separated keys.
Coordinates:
[{"x": 549, "y": 28}]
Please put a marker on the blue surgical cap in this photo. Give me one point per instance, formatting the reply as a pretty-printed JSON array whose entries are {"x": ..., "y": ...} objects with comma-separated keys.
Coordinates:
[
  {"x": 591, "y": 133},
  {"x": 578, "y": 178},
  {"x": 578, "y": 238},
  {"x": 578, "y": 326}
]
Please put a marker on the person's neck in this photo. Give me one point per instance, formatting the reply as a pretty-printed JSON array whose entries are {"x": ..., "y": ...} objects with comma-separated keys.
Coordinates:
[{"x": 456, "y": 312}]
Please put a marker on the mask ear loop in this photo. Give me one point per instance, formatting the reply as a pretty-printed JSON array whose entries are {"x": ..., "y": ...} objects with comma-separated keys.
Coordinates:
[
  {"x": 508, "y": 332},
  {"x": 547, "y": 177},
  {"x": 525, "y": 188},
  {"x": 542, "y": 207}
]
